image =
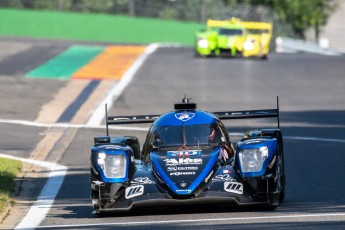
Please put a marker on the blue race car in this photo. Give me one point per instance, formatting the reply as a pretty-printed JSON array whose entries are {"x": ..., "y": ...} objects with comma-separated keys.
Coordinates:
[{"x": 187, "y": 158}]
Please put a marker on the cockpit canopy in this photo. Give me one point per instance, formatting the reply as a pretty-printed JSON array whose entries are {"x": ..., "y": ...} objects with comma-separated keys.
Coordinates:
[
  {"x": 230, "y": 32},
  {"x": 187, "y": 135},
  {"x": 186, "y": 128}
]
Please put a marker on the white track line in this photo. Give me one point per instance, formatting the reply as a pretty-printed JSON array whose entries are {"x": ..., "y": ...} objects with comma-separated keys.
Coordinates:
[
  {"x": 314, "y": 139},
  {"x": 231, "y": 219},
  {"x": 134, "y": 128},
  {"x": 45, "y": 200},
  {"x": 116, "y": 91},
  {"x": 67, "y": 125}
]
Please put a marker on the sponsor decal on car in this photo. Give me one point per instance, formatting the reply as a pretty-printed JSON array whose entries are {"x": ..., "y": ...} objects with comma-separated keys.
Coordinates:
[
  {"x": 234, "y": 187},
  {"x": 183, "y": 161},
  {"x": 272, "y": 163},
  {"x": 181, "y": 173},
  {"x": 187, "y": 168},
  {"x": 255, "y": 141},
  {"x": 184, "y": 116},
  {"x": 184, "y": 190},
  {"x": 134, "y": 191},
  {"x": 222, "y": 178},
  {"x": 143, "y": 180},
  {"x": 109, "y": 147},
  {"x": 183, "y": 184},
  {"x": 183, "y": 168},
  {"x": 276, "y": 179},
  {"x": 170, "y": 169}
]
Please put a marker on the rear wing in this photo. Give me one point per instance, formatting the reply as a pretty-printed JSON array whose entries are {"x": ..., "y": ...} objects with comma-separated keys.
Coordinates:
[
  {"x": 220, "y": 23},
  {"x": 224, "y": 23},
  {"x": 225, "y": 115},
  {"x": 251, "y": 26},
  {"x": 263, "y": 26}
]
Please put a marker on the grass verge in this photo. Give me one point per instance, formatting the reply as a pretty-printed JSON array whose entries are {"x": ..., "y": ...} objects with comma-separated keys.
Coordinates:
[
  {"x": 8, "y": 170},
  {"x": 95, "y": 27}
]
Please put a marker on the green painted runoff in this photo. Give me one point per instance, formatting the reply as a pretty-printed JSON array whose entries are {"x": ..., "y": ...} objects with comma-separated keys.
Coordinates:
[{"x": 65, "y": 64}]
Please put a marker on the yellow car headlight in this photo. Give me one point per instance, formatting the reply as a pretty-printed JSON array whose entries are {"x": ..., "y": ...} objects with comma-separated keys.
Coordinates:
[
  {"x": 248, "y": 45},
  {"x": 203, "y": 43}
]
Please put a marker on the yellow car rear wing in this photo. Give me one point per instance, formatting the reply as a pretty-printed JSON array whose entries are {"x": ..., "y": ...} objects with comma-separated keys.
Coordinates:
[
  {"x": 261, "y": 26},
  {"x": 224, "y": 23},
  {"x": 252, "y": 26}
]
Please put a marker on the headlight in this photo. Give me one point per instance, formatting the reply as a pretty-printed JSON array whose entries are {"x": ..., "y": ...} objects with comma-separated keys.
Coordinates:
[
  {"x": 230, "y": 42},
  {"x": 248, "y": 45},
  {"x": 113, "y": 166},
  {"x": 203, "y": 43},
  {"x": 251, "y": 160}
]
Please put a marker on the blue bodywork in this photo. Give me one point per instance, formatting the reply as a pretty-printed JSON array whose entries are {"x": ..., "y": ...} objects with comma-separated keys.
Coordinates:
[{"x": 212, "y": 159}]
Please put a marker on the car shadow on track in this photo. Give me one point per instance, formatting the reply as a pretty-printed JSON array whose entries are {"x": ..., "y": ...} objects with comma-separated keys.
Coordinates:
[{"x": 85, "y": 211}]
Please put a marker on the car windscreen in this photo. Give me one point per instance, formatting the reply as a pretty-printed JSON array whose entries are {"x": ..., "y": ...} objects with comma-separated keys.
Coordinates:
[
  {"x": 224, "y": 31},
  {"x": 257, "y": 31},
  {"x": 189, "y": 135}
]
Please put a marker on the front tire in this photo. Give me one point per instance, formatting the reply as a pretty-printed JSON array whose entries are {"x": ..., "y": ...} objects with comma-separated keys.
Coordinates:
[
  {"x": 279, "y": 196},
  {"x": 282, "y": 168},
  {"x": 196, "y": 54},
  {"x": 281, "y": 181}
]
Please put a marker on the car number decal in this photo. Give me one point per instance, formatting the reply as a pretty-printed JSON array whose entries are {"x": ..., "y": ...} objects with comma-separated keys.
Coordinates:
[{"x": 184, "y": 153}]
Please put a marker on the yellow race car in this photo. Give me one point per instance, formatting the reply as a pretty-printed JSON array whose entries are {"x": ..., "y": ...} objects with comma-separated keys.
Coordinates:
[{"x": 234, "y": 37}]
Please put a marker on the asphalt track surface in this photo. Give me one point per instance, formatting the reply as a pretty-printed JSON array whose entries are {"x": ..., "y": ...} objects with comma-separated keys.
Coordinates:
[{"x": 311, "y": 92}]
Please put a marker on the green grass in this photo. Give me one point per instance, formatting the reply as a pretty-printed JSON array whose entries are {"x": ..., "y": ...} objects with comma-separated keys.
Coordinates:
[
  {"x": 95, "y": 27},
  {"x": 8, "y": 170}
]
